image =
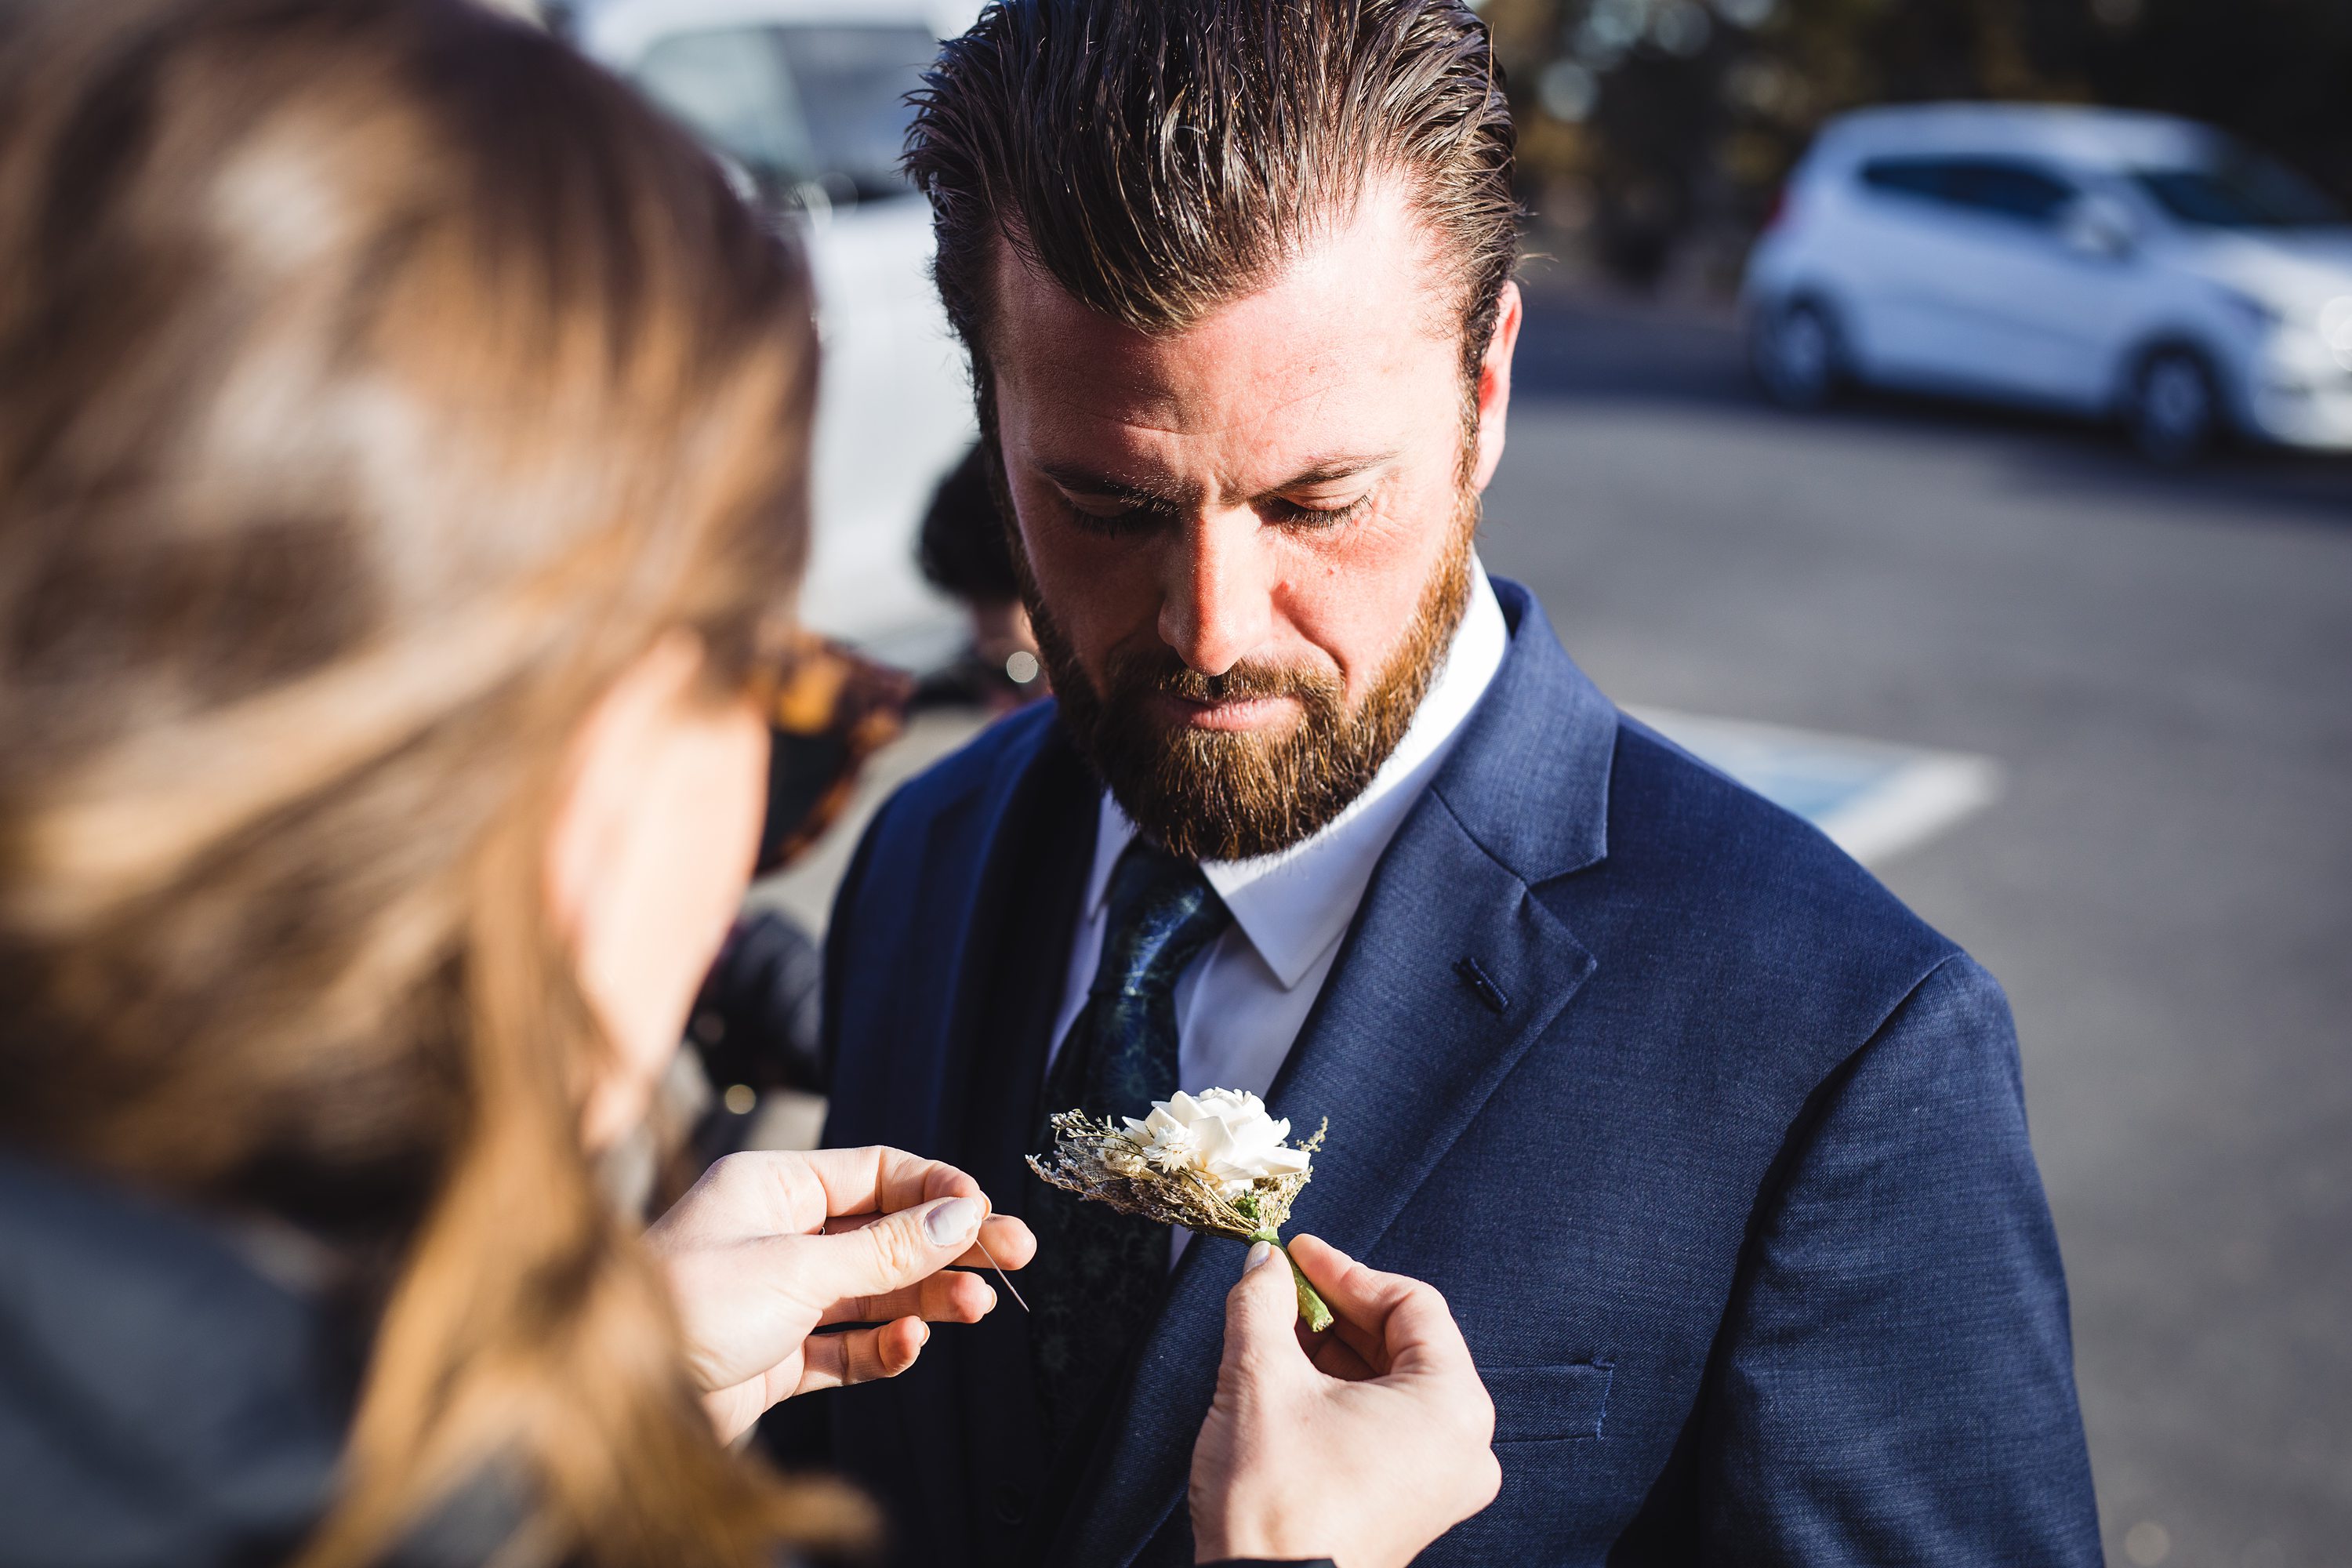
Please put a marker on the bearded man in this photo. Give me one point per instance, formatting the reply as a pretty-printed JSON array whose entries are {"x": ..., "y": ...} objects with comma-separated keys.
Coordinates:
[{"x": 1718, "y": 1151}]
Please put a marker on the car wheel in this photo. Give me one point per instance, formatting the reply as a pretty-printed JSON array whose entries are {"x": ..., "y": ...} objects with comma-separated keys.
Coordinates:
[
  {"x": 1797, "y": 356},
  {"x": 2176, "y": 409}
]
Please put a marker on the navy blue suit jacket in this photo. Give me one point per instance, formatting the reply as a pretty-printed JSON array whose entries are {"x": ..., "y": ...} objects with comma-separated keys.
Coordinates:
[{"x": 1718, "y": 1151}]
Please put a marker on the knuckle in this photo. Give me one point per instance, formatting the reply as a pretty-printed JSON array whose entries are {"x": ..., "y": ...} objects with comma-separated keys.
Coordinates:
[
  {"x": 731, "y": 1170},
  {"x": 1486, "y": 1485},
  {"x": 896, "y": 1251},
  {"x": 747, "y": 1171}
]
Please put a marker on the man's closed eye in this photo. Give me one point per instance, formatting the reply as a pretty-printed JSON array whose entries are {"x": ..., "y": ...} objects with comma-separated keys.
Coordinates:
[
  {"x": 1115, "y": 514},
  {"x": 1286, "y": 513}
]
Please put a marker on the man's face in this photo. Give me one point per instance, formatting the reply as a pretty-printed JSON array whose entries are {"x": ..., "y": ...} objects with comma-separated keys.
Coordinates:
[{"x": 1247, "y": 543}]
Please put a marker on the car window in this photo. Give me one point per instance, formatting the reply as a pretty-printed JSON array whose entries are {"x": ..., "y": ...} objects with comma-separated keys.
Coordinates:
[
  {"x": 2000, "y": 187},
  {"x": 2011, "y": 190},
  {"x": 820, "y": 107},
  {"x": 1928, "y": 178},
  {"x": 2240, "y": 189}
]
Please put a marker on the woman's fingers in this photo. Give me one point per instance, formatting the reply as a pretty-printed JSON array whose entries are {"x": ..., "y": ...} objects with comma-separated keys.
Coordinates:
[
  {"x": 1290, "y": 1465},
  {"x": 1421, "y": 1337},
  {"x": 758, "y": 1254},
  {"x": 1259, "y": 1311},
  {"x": 896, "y": 1251},
  {"x": 950, "y": 1295},
  {"x": 1359, "y": 1295},
  {"x": 1333, "y": 1357},
  {"x": 1010, "y": 1243},
  {"x": 1365, "y": 1343},
  {"x": 770, "y": 1192},
  {"x": 879, "y": 1180},
  {"x": 1357, "y": 1318},
  {"x": 1392, "y": 1322},
  {"x": 860, "y": 1355}
]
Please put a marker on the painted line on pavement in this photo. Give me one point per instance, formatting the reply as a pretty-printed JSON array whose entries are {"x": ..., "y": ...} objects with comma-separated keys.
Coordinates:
[{"x": 1874, "y": 799}]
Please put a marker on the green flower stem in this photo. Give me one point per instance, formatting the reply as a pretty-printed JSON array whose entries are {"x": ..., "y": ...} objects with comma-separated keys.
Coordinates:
[{"x": 1310, "y": 1305}]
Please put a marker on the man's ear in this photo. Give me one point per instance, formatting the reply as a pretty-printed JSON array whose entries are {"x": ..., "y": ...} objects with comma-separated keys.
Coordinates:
[{"x": 1494, "y": 384}]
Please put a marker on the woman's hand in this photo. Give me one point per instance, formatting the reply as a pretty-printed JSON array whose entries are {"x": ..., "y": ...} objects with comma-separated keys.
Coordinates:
[
  {"x": 770, "y": 1246},
  {"x": 1362, "y": 1444}
]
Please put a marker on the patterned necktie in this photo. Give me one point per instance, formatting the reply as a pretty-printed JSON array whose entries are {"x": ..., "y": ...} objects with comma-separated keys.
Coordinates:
[{"x": 1098, "y": 1273}]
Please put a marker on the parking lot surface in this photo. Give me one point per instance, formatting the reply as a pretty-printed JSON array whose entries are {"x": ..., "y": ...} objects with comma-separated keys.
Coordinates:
[{"x": 2160, "y": 667}]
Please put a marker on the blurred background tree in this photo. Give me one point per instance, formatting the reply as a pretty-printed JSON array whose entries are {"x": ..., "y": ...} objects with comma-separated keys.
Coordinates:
[{"x": 1654, "y": 133}]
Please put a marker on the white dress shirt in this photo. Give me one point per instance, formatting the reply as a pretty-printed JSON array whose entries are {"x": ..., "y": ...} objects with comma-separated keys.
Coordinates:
[{"x": 1239, "y": 1004}]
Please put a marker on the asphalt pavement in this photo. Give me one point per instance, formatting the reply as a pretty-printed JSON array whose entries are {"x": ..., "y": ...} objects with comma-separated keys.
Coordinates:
[{"x": 2160, "y": 665}]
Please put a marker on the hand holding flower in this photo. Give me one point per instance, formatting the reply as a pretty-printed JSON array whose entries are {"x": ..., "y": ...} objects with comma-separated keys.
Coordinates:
[
  {"x": 1215, "y": 1162},
  {"x": 1363, "y": 1445}
]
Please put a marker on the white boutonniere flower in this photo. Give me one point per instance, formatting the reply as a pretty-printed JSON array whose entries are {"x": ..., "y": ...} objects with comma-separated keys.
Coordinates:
[
  {"x": 1216, "y": 1162},
  {"x": 1224, "y": 1135}
]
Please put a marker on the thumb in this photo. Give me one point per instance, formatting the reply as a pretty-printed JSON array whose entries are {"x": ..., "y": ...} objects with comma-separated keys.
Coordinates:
[
  {"x": 894, "y": 1252},
  {"x": 1259, "y": 1311}
]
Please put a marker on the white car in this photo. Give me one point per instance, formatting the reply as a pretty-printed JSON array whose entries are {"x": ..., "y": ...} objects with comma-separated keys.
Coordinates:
[
  {"x": 2095, "y": 262},
  {"x": 807, "y": 99}
]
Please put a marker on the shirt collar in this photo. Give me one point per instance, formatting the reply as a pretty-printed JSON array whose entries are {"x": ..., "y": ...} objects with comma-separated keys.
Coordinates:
[{"x": 1295, "y": 904}]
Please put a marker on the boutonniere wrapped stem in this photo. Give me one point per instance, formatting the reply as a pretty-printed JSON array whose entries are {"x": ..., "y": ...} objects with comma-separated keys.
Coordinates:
[{"x": 1215, "y": 1163}]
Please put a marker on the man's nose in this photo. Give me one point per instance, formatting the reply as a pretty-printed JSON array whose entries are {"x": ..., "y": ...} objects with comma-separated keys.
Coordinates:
[{"x": 1216, "y": 601}]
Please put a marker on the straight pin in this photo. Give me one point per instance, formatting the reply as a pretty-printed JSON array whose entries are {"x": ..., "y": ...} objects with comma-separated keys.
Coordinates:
[{"x": 1000, "y": 1272}]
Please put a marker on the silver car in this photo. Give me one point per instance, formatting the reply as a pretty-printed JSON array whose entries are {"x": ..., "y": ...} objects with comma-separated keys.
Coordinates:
[
  {"x": 2095, "y": 262},
  {"x": 807, "y": 100}
]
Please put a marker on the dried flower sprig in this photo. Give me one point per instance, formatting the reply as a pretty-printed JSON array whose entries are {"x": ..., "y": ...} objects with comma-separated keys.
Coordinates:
[{"x": 1214, "y": 1163}]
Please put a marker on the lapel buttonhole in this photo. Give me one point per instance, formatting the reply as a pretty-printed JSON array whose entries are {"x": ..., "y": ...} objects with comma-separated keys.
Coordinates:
[{"x": 1481, "y": 984}]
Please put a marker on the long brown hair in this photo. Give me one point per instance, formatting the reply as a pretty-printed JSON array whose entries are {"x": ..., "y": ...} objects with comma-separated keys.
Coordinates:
[{"x": 377, "y": 380}]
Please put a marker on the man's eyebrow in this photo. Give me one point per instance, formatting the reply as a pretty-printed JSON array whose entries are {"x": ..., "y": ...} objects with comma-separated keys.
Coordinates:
[
  {"x": 1082, "y": 481},
  {"x": 1331, "y": 471},
  {"x": 1085, "y": 481}
]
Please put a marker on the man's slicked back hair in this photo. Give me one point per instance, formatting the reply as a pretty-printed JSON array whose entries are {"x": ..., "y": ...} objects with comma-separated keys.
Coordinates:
[{"x": 1161, "y": 158}]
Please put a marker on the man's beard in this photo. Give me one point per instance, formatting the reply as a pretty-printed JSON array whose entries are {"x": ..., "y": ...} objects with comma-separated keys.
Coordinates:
[{"x": 1225, "y": 795}]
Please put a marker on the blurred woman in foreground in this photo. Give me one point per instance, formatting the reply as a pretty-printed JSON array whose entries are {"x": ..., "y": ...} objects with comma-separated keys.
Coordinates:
[{"x": 402, "y": 440}]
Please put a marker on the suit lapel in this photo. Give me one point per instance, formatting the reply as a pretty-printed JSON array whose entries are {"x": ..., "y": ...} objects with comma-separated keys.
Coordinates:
[
  {"x": 1402, "y": 1052},
  {"x": 1450, "y": 973},
  {"x": 909, "y": 1111},
  {"x": 1006, "y": 1023},
  {"x": 982, "y": 853}
]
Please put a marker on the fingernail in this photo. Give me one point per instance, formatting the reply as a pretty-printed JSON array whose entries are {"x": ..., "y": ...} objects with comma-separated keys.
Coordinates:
[
  {"x": 957, "y": 1219},
  {"x": 1258, "y": 1253},
  {"x": 922, "y": 1335}
]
